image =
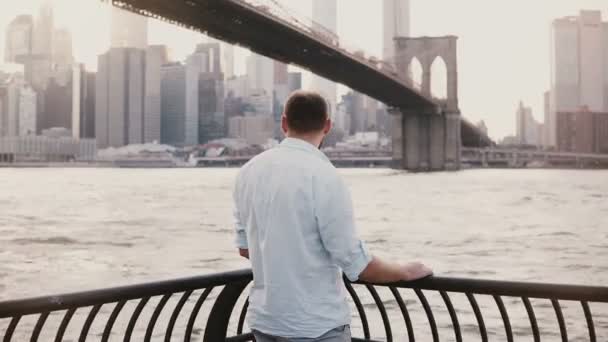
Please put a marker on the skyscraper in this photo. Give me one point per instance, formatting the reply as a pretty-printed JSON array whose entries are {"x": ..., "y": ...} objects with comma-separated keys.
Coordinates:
[
  {"x": 128, "y": 30},
  {"x": 395, "y": 23},
  {"x": 205, "y": 59},
  {"x": 83, "y": 102},
  {"x": 579, "y": 67},
  {"x": 354, "y": 103},
  {"x": 591, "y": 60},
  {"x": 44, "y": 30},
  {"x": 281, "y": 92},
  {"x": 527, "y": 129},
  {"x": 294, "y": 81},
  {"x": 27, "y": 111},
  {"x": 38, "y": 71},
  {"x": 119, "y": 100},
  {"x": 57, "y": 109},
  {"x": 211, "y": 62},
  {"x": 325, "y": 13},
  {"x": 9, "y": 107},
  {"x": 260, "y": 74},
  {"x": 173, "y": 104},
  {"x": 156, "y": 57},
  {"x": 19, "y": 39},
  {"x": 3, "y": 110},
  {"x": 342, "y": 118},
  {"x": 211, "y": 107},
  {"x": 228, "y": 60},
  {"x": 62, "y": 47}
]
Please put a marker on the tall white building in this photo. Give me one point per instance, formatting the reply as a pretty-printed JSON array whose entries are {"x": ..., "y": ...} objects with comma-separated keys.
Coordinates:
[
  {"x": 3, "y": 112},
  {"x": 156, "y": 56},
  {"x": 260, "y": 74},
  {"x": 27, "y": 111},
  {"x": 62, "y": 59},
  {"x": 342, "y": 119},
  {"x": 128, "y": 30},
  {"x": 228, "y": 60},
  {"x": 579, "y": 68},
  {"x": 119, "y": 100},
  {"x": 395, "y": 23},
  {"x": 62, "y": 47},
  {"x": 592, "y": 59},
  {"x": 44, "y": 30},
  {"x": 77, "y": 89},
  {"x": 255, "y": 130},
  {"x": 173, "y": 104},
  {"x": 325, "y": 13},
  {"x": 196, "y": 64},
  {"x": 18, "y": 45},
  {"x": 527, "y": 128},
  {"x": 11, "y": 107}
]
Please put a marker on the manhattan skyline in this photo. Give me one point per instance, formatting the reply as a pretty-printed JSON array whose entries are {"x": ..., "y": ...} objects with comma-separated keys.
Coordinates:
[{"x": 503, "y": 47}]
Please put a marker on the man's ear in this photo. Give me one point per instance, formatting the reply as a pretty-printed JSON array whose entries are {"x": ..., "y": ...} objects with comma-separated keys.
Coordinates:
[
  {"x": 328, "y": 126},
  {"x": 284, "y": 124}
]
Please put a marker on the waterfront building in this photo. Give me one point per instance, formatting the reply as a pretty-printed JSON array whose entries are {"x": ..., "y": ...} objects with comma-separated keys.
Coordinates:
[
  {"x": 119, "y": 100},
  {"x": 579, "y": 68}
]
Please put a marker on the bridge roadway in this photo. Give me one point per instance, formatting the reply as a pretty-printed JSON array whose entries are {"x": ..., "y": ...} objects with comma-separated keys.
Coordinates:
[{"x": 256, "y": 28}]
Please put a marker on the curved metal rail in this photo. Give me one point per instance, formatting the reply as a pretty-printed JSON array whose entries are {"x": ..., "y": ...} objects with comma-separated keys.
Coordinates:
[{"x": 174, "y": 309}]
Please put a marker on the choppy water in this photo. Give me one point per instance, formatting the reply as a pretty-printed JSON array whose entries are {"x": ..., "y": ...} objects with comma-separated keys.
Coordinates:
[{"x": 65, "y": 230}]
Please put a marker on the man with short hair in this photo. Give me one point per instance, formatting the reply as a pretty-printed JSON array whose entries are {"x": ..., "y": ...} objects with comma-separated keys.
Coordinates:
[{"x": 295, "y": 222}]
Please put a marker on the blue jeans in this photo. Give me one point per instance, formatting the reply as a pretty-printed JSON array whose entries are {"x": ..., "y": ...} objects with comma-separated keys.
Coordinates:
[{"x": 340, "y": 334}]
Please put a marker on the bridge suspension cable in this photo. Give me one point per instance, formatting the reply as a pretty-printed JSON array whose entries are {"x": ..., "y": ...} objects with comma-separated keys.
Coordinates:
[{"x": 305, "y": 23}]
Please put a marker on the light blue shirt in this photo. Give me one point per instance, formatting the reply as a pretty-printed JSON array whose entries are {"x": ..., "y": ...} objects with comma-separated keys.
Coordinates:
[{"x": 294, "y": 213}]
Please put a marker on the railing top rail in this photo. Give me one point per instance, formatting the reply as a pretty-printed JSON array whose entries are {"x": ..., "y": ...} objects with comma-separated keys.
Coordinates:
[
  {"x": 21, "y": 307},
  {"x": 508, "y": 288},
  {"x": 460, "y": 285}
]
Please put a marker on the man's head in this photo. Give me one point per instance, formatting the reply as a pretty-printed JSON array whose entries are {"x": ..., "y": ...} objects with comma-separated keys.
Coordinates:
[{"x": 306, "y": 116}]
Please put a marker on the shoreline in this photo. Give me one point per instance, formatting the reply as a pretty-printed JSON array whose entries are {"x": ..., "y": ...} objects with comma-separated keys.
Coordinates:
[{"x": 105, "y": 165}]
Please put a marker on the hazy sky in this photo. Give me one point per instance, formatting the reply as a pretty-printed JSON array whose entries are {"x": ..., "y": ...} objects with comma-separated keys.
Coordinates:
[{"x": 503, "y": 45}]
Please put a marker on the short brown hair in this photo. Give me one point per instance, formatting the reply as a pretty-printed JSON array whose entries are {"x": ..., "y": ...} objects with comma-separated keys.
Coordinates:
[{"x": 306, "y": 112}]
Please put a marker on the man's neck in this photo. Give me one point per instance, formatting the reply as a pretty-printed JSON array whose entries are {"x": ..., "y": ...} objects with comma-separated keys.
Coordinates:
[{"x": 313, "y": 139}]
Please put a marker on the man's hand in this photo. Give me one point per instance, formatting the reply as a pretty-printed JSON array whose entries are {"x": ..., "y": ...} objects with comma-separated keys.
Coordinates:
[
  {"x": 244, "y": 253},
  {"x": 380, "y": 271},
  {"x": 416, "y": 270}
]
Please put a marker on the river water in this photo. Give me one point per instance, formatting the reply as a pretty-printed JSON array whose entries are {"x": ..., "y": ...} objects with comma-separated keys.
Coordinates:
[{"x": 64, "y": 230}]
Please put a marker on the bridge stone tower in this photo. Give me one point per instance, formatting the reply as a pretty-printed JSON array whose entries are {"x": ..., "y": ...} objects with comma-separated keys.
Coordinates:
[{"x": 427, "y": 139}]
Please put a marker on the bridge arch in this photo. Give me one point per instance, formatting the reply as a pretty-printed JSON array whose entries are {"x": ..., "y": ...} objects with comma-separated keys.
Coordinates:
[
  {"x": 439, "y": 78},
  {"x": 415, "y": 72},
  {"x": 428, "y": 50}
]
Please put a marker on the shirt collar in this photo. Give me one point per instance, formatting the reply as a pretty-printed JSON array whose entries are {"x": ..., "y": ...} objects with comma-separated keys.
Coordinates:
[{"x": 300, "y": 144}]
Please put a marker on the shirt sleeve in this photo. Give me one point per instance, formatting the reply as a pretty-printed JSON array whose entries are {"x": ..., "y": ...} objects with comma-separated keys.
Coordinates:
[
  {"x": 335, "y": 218},
  {"x": 239, "y": 223}
]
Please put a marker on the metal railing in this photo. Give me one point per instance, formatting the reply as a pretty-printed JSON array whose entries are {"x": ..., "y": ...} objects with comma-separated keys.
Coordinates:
[
  {"x": 188, "y": 309},
  {"x": 105, "y": 307}
]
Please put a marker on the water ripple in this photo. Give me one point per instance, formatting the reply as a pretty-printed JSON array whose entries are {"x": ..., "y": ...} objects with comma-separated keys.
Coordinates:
[{"x": 65, "y": 241}]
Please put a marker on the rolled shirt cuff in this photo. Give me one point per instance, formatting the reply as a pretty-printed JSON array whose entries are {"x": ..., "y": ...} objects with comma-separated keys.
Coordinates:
[
  {"x": 359, "y": 261},
  {"x": 241, "y": 240}
]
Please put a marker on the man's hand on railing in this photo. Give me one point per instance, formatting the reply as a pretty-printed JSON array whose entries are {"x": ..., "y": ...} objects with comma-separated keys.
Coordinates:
[
  {"x": 380, "y": 271},
  {"x": 244, "y": 253},
  {"x": 416, "y": 270}
]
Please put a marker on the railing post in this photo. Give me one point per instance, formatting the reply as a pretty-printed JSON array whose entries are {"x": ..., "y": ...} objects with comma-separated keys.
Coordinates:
[{"x": 219, "y": 318}]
